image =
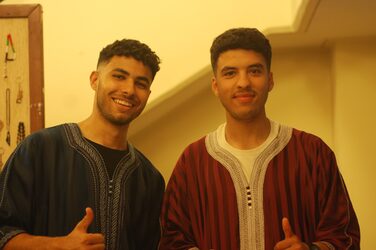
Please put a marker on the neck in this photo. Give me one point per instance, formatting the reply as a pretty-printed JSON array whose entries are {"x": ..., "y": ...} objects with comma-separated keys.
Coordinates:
[
  {"x": 105, "y": 133},
  {"x": 247, "y": 134}
]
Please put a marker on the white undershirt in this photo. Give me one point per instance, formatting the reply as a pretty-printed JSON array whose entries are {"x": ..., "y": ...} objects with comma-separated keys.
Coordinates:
[{"x": 246, "y": 157}]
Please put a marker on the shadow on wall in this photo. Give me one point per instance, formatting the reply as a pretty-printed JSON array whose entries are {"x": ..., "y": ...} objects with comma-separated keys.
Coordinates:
[{"x": 164, "y": 139}]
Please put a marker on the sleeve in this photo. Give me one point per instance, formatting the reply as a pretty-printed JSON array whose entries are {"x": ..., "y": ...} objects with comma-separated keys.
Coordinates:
[
  {"x": 338, "y": 226},
  {"x": 176, "y": 227},
  {"x": 16, "y": 192}
]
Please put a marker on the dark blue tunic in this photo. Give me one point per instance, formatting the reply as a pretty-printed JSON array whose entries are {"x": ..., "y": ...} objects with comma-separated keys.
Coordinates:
[{"x": 54, "y": 174}]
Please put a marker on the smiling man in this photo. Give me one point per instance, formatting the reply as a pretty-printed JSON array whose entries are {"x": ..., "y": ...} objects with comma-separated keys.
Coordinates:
[
  {"x": 84, "y": 186},
  {"x": 255, "y": 184}
]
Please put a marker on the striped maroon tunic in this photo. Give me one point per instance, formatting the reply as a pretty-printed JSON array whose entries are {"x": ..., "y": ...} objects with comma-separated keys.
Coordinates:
[{"x": 209, "y": 203}]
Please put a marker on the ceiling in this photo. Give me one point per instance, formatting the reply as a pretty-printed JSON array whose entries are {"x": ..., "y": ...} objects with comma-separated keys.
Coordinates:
[{"x": 321, "y": 22}]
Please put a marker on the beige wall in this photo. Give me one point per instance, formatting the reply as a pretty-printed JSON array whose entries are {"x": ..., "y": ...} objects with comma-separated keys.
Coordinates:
[
  {"x": 164, "y": 140},
  {"x": 327, "y": 91},
  {"x": 179, "y": 31},
  {"x": 354, "y": 63},
  {"x": 303, "y": 93}
]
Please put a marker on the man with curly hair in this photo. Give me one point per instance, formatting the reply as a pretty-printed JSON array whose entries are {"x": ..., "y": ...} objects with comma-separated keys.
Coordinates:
[
  {"x": 254, "y": 183},
  {"x": 83, "y": 185}
]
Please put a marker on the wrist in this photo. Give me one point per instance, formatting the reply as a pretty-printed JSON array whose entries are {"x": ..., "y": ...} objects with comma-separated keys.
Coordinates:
[{"x": 27, "y": 241}]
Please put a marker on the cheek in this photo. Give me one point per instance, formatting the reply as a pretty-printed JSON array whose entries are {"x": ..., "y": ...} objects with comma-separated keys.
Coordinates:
[
  {"x": 99, "y": 88},
  {"x": 144, "y": 95},
  {"x": 223, "y": 95}
]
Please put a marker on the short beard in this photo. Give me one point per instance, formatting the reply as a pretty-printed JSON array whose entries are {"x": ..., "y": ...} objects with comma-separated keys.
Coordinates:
[
  {"x": 116, "y": 121},
  {"x": 113, "y": 120}
]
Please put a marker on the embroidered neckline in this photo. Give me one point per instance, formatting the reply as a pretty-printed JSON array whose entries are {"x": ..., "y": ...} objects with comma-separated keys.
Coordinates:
[{"x": 251, "y": 218}]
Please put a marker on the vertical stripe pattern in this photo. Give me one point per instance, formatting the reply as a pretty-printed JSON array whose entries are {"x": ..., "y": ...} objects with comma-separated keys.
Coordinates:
[{"x": 209, "y": 204}]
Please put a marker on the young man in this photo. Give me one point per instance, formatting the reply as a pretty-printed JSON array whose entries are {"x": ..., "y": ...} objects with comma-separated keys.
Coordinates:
[
  {"x": 254, "y": 183},
  {"x": 83, "y": 186}
]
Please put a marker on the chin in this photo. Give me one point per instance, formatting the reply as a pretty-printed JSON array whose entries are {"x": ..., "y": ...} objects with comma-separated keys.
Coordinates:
[
  {"x": 119, "y": 121},
  {"x": 245, "y": 117}
]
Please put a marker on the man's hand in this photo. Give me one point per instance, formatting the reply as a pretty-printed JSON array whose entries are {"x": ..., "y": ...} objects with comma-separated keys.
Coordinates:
[
  {"x": 78, "y": 239},
  {"x": 291, "y": 241}
]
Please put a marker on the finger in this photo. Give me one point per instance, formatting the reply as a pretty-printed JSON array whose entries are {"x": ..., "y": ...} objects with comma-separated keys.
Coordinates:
[
  {"x": 86, "y": 221},
  {"x": 96, "y": 247},
  {"x": 93, "y": 239},
  {"x": 287, "y": 228},
  {"x": 281, "y": 245}
]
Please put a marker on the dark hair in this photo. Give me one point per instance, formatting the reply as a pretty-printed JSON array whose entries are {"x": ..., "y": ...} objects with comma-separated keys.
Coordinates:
[
  {"x": 241, "y": 38},
  {"x": 131, "y": 48}
]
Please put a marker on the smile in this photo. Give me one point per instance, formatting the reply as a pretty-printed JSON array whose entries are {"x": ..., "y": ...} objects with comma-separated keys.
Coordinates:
[
  {"x": 243, "y": 94},
  {"x": 123, "y": 102}
]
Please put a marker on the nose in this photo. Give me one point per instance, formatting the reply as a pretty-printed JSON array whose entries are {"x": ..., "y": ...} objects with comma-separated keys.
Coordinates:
[
  {"x": 244, "y": 80},
  {"x": 127, "y": 87}
]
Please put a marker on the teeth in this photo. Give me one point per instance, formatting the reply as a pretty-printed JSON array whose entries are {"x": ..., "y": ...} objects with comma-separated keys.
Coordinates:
[{"x": 122, "y": 102}]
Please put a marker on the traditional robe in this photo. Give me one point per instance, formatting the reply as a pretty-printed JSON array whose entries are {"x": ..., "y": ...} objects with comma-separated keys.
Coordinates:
[
  {"x": 210, "y": 204},
  {"x": 54, "y": 174}
]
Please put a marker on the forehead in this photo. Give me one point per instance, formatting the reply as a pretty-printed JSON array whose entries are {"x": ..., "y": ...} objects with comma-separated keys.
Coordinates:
[
  {"x": 127, "y": 63},
  {"x": 239, "y": 57}
]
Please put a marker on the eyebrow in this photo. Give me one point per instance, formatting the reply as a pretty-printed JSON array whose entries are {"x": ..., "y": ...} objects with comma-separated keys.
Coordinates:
[
  {"x": 255, "y": 65},
  {"x": 226, "y": 68},
  {"x": 142, "y": 78}
]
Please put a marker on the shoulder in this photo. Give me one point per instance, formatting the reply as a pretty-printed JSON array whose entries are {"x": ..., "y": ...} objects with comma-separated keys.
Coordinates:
[
  {"x": 196, "y": 147},
  {"x": 40, "y": 138},
  {"x": 31, "y": 152},
  {"x": 148, "y": 167},
  {"x": 193, "y": 153},
  {"x": 307, "y": 149},
  {"x": 192, "y": 157},
  {"x": 46, "y": 133},
  {"x": 307, "y": 138},
  {"x": 309, "y": 143}
]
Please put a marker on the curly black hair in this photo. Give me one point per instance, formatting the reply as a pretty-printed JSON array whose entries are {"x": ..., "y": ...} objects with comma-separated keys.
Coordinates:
[
  {"x": 131, "y": 48},
  {"x": 241, "y": 38}
]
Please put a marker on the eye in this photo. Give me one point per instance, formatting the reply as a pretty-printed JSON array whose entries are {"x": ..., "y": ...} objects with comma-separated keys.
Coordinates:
[
  {"x": 142, "y": 84},
  {"x": 255, "y": 71},
  {"x": 229, "y": 73},
  {"x": 118, "y": 76}
]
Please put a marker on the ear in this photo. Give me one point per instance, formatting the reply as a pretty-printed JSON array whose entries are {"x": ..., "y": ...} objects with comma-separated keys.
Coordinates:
[
  {"x": 214, "y": 85},
  {"x": 94, "y": 80},
  {"x": 271, "y": 81}
]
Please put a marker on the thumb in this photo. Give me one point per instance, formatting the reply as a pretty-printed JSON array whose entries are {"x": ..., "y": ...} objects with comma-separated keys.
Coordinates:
[
  {"x": 287, "y": 228},
  {"x": 86, "y": 221}
]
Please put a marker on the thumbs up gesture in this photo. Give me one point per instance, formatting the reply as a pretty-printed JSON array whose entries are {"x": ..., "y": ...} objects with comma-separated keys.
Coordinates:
[
  {"x": 79, "y": 238},
  {"x": 84, "y": 224},
  {"x": 291, "y": 241}
]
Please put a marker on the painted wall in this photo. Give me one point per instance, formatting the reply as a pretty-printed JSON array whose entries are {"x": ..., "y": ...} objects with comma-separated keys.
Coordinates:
[
  {"x": 303, "y": 94},
  {"x": 164, "y": 140},
  {"x": 179, "y": 32},
  {"x": 354, "y": 63}
]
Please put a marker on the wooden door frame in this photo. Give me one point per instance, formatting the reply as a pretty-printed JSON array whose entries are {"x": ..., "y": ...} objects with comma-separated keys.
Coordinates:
[{"x": 33, "y": 13}]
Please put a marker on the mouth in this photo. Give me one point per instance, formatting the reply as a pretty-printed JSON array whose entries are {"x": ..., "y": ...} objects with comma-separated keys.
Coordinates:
[
  {"x": 123, "y": 102},
  {"x": 244, "y": 96}
]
